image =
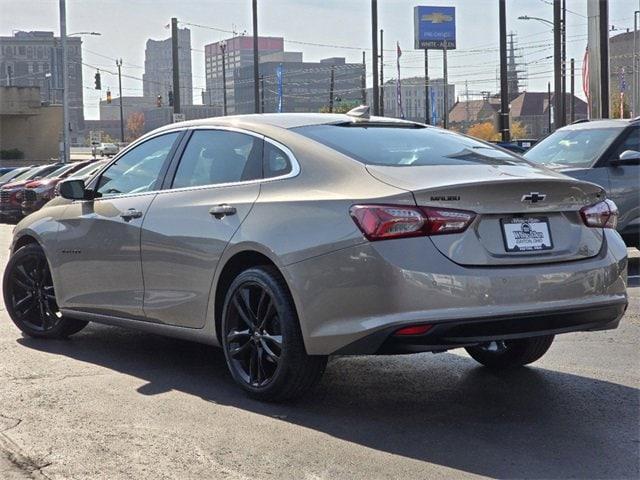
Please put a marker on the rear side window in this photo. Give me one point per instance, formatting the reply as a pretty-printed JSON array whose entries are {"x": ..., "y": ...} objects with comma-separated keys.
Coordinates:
[
  {"x": 406, "y": 146},
  {"x": 276, "y": 162},
  {"x": 219, "y": 156}
]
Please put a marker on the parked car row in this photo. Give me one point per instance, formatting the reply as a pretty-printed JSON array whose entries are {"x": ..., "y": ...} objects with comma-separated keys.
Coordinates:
[{"x": 25, "y": 190}]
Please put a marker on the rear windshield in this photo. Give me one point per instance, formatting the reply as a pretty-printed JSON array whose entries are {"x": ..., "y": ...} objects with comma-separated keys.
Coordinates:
[
  {"x": 407, "y": 146},
  {"x": 578, "y": 148}
]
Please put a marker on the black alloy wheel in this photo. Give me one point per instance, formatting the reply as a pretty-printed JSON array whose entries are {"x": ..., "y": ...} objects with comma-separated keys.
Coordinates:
[
  {"x": 262, "y": 340},
  {"x": 254, "y": 335},
  {"x": 30, "y": 298}
]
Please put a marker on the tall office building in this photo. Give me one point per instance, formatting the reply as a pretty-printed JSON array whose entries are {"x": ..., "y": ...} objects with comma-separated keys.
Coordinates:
[
  {"x": 238, "y": 54},
  {"x": 34, "y": 59},
  {"x": 158, "y": 68}
]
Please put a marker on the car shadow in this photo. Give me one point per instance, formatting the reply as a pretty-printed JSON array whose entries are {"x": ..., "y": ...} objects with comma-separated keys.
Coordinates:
[{"x": 442, "y": 409}]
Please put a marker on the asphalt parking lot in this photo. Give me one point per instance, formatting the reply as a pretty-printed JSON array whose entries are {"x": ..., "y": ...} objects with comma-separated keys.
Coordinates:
[{"x": 111, "y": 404}]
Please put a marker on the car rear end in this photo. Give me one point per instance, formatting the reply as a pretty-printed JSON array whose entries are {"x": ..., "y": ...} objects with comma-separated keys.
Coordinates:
[{"x": 483, "y": 247}]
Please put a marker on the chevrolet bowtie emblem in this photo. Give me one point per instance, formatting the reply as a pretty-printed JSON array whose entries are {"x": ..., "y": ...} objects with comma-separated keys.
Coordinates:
[
  {"x": 534, "y": 197},
  {"x": 437, "y": 17}
]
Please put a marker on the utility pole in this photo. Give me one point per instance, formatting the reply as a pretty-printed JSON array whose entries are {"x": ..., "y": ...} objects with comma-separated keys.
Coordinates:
[
  {"x": 572, "y": 110},
  {"x": 176, "y": 66},
  {"x": 331, "y": 86},
  {"x": 261, "y": 94},
  {"x": 256, "y": 93},
  {"x": 636, "y": 66},
  {"x": 119, "y": 65},
  {"x": 504, "y": 81},
  {"x": 598, "y": 42},
  {"x": 564, "y": 61},
  {"x": 604, "y": 56},
  {"x": 445, "y": 93},
  {"x": 557, "y": 64},
  {"x": 427, "y": 109},
  {"x": 381, "y": 73},
  {"x": 364, "y": 79},
  {"x": 375, "y": 100},
  {"x": 66, "y": 147},
  {"x": 549, "y": 105},
  {"x": 223, "y": 47}
]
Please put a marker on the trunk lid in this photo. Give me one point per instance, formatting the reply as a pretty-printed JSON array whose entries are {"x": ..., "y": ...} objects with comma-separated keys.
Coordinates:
[{"x": 507, "y": 200}]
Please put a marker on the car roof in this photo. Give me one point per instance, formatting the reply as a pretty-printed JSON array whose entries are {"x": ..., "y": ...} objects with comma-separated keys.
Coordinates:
[
  {"x": 259, "y": 122},
  {"x": 605, "y": 123}
]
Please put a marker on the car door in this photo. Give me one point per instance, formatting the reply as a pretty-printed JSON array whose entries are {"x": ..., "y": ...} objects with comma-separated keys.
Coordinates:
[
  {"x": 624, "y": 181},
  {"x": 98, "y": 262},
  {"x": 212, "y": 188}
]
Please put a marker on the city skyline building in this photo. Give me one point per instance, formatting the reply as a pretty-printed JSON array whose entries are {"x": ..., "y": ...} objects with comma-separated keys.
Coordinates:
[
  {"x": 157, "y": 78},
  {"x": 34, "y": 59}
]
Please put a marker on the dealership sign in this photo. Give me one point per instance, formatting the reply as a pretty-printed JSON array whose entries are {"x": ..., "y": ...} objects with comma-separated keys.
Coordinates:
[{"x": 434, "y": 26}]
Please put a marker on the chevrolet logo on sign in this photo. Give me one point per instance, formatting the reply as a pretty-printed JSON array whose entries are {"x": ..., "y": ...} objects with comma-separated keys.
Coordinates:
[{"x": 437, "y": 17}]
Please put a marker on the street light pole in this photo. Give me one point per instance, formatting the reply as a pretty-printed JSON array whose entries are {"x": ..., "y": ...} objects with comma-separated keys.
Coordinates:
[
  {"x": 119, "y": 65},
  {"x": 64, "y": 152},
  {"x": 256, "y": 79},
  {"x": 375, "y": 99},
  {"x": 557, "y": 65},
  {"x": 504, "y": 83},
  {"x": 636, "y": 65}
]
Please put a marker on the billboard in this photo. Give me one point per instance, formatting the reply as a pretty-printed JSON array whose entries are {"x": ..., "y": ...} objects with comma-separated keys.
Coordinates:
[{"x": 433, "y": 26}]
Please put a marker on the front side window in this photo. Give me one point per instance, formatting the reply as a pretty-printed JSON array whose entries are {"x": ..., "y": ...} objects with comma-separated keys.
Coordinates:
[
  {"x": 137, "y": 170},
  {"x": 219, "y": 156}
]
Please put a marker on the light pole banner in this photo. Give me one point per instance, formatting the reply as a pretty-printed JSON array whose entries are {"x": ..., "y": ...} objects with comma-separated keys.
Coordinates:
[
  {"x": 279, "y": 79},
  {"x": 399, "y": 109}
]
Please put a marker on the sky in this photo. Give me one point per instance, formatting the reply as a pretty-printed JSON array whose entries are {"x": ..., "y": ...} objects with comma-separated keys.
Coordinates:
[{"x": 342, "y": 26}]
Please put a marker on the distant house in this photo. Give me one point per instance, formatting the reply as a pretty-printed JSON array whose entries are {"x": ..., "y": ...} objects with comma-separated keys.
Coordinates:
[
  {"x": 465, "y": 114},
  {"x": 531, "y": 109}
]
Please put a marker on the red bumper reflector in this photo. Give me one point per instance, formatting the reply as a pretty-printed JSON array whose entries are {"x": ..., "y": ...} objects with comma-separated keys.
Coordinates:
[{"x": 414, "y": 330}]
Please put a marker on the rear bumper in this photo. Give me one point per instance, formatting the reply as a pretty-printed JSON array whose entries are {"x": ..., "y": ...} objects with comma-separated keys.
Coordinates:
[
  {"x": 463, "y": 333},
  {"x": 352, "y": 300}
]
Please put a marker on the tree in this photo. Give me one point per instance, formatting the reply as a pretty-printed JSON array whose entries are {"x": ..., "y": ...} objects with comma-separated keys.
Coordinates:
[
  {"x": 340, "y": 107},
  {"x": 615, "y": 106},
  {"x": 135, "y": 125},
  {"x": 487, "y": 131},
  {"x": 484, "y": 131},
  {"x": 519, "y": 131}
]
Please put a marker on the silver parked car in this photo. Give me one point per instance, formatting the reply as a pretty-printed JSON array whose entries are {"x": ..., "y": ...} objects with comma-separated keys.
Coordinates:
[
  {"x": 287, "y": 238},
  {"x": 605, "y": 152}
]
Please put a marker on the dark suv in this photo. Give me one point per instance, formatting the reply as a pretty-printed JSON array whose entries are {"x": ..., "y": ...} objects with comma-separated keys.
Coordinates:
[{"x": 605, "y": 152}]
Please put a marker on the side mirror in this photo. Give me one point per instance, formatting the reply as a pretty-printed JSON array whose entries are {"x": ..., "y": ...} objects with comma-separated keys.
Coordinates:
[
  {"x": 74, "y": 190},
  {"x": 628, "y": 157}
]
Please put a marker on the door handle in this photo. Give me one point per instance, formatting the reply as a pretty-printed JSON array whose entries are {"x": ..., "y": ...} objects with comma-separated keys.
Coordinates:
[
  {"x": 131, "y": 214},
  {"x": 221, "y": 211}
]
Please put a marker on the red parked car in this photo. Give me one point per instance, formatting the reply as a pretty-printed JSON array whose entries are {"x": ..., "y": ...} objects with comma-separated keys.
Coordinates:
[
  {"x": 38, "y": 192},
  {"x": 11, "y": 193}
]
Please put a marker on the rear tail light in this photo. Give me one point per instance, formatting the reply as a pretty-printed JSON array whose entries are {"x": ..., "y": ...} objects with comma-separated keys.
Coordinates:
[
  {"x": 600, "y": 215},
  {"x": 382, "y": 222}
]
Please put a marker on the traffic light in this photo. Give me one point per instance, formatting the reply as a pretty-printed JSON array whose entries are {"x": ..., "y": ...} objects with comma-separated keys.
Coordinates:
[
  {"x": 98, "y": 82},
  {"x": 170, "y": 98},
  {"x": 108, "y": 96},
  {"x": 159, "y": 101}
]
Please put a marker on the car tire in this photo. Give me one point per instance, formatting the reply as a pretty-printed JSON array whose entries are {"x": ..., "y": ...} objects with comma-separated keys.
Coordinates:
[
  {"x": 511, "y": 353},
  {"x": 29, "y": 296},
  {"x": 262, "y": 340}
]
